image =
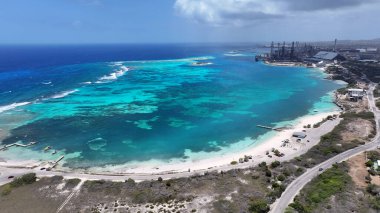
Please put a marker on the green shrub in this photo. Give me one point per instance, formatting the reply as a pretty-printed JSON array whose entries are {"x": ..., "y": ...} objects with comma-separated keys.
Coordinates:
[
  {"x": 258, "y": 206},
  {"x": 263, "y": 164},
  {"x": 298, "y": 207},
  {"x": 130, "y": 180},
  {"x": 320, "y": 189},
  {"x": 7, "y": 188},
  {"x": 275, "y": 185},
  {"x": 369, "y": 163},
  {"x": 375, "y": 203},
  {"x": 275, "y": 164},
  {"x": 299, "y": 170},
  {"x": 281, "y": 178},
  {"x": 17, "y": 182},
  {"x": 25, "y": 179},
  {"x": 234, "y": 162},
  {"x": 29, "y": 178},
  {"x": 373, "y": 155},
  {"x": 73, "y": 182}
]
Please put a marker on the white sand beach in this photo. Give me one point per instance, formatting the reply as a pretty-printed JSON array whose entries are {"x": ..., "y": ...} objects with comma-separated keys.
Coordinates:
[{"x": 222, "y": 161}]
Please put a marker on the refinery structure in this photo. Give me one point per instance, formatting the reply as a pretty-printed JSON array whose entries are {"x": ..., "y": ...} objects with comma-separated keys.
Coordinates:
[{"x": 317, "y": 52}]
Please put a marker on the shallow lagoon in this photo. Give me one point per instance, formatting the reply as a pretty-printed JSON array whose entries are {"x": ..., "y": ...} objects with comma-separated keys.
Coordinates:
[{"x": 162, "y": 109}]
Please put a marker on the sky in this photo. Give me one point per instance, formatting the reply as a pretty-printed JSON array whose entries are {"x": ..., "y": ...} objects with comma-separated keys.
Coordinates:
[{"x": 181, "y": 21}]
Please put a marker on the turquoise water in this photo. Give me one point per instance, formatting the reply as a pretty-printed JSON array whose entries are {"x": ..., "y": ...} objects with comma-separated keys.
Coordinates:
[{"x": 119, "y": 112}]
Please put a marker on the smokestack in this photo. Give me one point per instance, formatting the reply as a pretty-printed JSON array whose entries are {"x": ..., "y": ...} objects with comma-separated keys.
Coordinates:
[
  {"x": 271, "y": 49},
  {"x": 335, "y": 45},
  {"x": 292, "y": 51}
]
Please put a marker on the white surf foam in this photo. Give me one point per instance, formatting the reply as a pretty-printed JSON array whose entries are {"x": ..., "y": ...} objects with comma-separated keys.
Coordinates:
[
  {"x": 12, "y": 106},
  {"x": 63, "y": 94},
  {"x": 46, "y": 82},
  {"x": 113, "y": 76},
  {"x": 234, "y": 54},
  {"x": 87, "y": 82}
]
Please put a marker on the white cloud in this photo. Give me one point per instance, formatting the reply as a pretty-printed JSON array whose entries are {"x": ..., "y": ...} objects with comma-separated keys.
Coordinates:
[
  {"x": 245, "y": 12},
  {"x": 220, "y": 12}
]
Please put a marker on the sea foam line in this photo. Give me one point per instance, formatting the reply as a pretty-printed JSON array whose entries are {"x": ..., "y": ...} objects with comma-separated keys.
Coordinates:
[
  {"x": 12, "y": 106},
  {"x": 63, "y": 94},
  {"x": 113, "y": 76},
  {"x": 15, "y": 105}
]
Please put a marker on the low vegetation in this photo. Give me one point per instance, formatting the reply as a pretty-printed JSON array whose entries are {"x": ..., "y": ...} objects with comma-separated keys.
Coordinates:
[
  {"x": 376, "y": 92},
  {"x": 332, "y": 143},
  {"x": 332, "y": 182},
  {"x": 17, "y": 182},
  {"x": 371, "y": 70}
]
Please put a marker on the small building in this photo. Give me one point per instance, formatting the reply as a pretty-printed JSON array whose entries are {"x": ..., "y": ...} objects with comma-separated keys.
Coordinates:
[
  {"x": 356, "y": 94},
  {"x": 376, "y": 165},
  {"x": 299, "y": 135},
  {"x": 372, "y": 50}
]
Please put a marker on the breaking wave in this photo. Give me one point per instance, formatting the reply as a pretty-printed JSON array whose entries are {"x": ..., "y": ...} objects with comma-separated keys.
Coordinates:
[
  {"x": 63, "y": 94},
  {"x": 46, "y": 82},
  {"x": 113, "y": 76},
  {"x": 12, "y": 106}
]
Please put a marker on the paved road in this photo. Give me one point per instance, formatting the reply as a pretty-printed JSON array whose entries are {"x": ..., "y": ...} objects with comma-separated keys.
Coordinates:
[{"x": 293, "y": 189}]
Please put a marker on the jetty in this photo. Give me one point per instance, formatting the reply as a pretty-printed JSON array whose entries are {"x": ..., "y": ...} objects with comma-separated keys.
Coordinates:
[
  {"x": 5, "y": 147},
  {"x": 57, "y": 161},
  {"x": 271, "y": 128}
]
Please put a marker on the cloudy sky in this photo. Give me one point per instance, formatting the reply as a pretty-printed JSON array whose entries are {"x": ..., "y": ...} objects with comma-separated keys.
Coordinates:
[{"x": 167, "y": 21}]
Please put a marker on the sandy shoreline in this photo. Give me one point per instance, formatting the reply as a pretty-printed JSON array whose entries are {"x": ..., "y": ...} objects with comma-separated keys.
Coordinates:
[
  {"x": 221, "y": 161},
  {"x": 287, "y": 64},
  {"x": 224, "y": 160}
]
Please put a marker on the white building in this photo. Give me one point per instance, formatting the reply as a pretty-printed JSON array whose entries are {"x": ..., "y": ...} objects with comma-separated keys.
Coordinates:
[{"x": 356, "y": 94}]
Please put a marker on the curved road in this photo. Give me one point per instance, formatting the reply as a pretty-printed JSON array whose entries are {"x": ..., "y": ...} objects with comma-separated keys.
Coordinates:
[{"x": 293, "y": 189}]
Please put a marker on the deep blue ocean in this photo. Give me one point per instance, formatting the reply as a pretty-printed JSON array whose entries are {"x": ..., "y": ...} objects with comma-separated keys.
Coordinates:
[{"x": 114, "y": 104}]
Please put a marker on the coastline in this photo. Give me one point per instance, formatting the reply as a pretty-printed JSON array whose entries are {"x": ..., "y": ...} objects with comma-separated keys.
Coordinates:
[
  {"x": 287, "y": 64},
  {"x": 220, "y": 160},
  {"x": 223, "y": 161}
]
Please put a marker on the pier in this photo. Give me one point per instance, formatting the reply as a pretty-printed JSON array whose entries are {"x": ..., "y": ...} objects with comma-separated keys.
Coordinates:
[
  {"x": 271, "y": 128},
  {"x": 17, "y": 144},
  {"x": 55, "y": 163},
  {"x": 59, "y": 159}
]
